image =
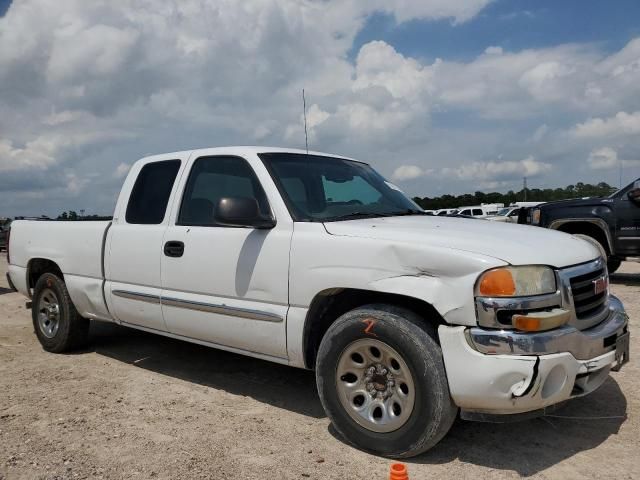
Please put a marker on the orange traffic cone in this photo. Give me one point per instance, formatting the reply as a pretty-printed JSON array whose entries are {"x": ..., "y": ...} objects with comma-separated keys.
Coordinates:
[{"x": 398, "y": 471}]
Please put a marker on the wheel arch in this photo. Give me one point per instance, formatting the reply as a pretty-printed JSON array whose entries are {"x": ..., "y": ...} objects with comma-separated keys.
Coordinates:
[
  {"x": 38, "y": 267},
  {"x": 595, "y": 228},
  {"x": 328, "y": 305}
]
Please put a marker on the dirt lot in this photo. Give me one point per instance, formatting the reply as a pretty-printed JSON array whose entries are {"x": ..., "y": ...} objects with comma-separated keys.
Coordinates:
[{"x": 136, "y": 405}]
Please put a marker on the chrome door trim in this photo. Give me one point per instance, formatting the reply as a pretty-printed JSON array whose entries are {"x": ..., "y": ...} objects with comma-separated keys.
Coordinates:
[
  {"x": 201, "y": 306},
  {"x": 143, "y": 297},
  {"x": 222, "y": 309}
]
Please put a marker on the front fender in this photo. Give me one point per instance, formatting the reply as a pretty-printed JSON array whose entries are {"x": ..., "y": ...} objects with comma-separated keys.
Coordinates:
[{"x": 451, "y": 297}]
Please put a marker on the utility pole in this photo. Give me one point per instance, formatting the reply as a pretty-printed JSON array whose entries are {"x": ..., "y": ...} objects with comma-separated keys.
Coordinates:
[
  {"x": 620, "y": 162},
  {"x": 525, "y": 188},
  {"x": 304, "y": 111}
]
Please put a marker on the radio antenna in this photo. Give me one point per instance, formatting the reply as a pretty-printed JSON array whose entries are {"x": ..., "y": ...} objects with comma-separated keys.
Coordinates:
[{"x": 304, "y": 113}]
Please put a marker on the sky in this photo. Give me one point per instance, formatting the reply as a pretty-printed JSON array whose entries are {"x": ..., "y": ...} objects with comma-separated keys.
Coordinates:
[{"x": 440, "y": 96}]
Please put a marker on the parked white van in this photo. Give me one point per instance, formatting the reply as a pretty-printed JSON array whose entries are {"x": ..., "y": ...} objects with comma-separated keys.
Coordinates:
[{"x": 481, "y": 211}]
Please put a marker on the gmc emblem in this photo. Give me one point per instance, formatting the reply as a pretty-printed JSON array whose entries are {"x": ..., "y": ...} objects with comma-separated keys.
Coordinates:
[{"x": 600, "y": 285}]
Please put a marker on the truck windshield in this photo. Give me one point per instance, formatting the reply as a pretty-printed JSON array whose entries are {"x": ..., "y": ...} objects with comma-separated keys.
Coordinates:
[
  {"x": 323, "y": 189},
  {"x": 623, "y": 191},
  {"x": 503, "y": 212}
]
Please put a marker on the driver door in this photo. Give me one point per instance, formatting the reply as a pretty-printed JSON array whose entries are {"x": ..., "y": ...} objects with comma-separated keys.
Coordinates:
[
  {"x": 225, "y": 285},
  {"x": 627, "y": 236}
]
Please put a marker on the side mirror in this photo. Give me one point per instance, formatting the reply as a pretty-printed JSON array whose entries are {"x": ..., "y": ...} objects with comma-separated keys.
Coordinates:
[
  {"x": 241, "y": 212},
  {"x": 634, "y": 195}
]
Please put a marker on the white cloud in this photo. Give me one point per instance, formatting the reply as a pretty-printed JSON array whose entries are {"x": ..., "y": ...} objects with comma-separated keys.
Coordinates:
[
  {"x": 622, "y": 123},
  {"x": 460, "y": 10},
  {"x": 606, "y": 158},
  {"x": 380, "y": 65},
  {"x": 500, "y": 170},
  {"x": 493, "y": 50},
  {"x": 315, "y": 116},
  {"x": 36, "y": 154},
  {"x": 121, "y": 170},
  {"x": 408, "y": 172},
  {"x": 540, "y": 132},
  {"x": 603, "y": 158}
]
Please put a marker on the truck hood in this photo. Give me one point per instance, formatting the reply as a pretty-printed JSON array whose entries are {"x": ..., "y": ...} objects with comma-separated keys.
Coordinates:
[
  {"x": 512, "y": 243},
  {"x": 575, "y": 202}
]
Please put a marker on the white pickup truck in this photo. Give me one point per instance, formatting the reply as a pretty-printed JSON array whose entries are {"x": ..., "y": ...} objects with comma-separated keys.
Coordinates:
[{"x": 315, "y": 261}]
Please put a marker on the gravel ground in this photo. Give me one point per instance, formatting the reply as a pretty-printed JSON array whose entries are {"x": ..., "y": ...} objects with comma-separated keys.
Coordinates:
[{"x": 136, "y": 405}]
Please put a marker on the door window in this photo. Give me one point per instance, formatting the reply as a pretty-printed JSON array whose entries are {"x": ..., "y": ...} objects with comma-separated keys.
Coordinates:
[
  {"x": 150, "y": 194},
  {"x": 477, "y": 212},
  {"x": 213, "y": 178}
]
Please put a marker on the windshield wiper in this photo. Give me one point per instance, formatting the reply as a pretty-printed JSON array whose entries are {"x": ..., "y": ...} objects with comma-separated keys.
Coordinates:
[{"x": 352, "y": 215}]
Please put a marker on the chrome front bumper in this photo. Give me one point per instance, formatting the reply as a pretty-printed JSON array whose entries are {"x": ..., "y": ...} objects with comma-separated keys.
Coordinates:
[
  {"x": 582, "y": 344},
  {"x": 500, "y": 372}
]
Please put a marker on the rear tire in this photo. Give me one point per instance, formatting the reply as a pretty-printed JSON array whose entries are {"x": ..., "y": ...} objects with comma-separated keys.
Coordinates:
[
  {"x": 58, "y": 325},
  {"x": 396, "y": 404}
]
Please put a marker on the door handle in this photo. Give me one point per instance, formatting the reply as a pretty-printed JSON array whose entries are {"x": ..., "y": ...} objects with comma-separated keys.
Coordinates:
[{"x": 173, "y": 248}]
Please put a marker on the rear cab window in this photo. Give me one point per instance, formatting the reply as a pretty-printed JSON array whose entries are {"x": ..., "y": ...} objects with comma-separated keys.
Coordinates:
[{"x": 150, "y": 194}]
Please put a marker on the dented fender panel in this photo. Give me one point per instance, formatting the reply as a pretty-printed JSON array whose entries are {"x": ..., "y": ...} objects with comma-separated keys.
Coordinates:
[{"x": 442, "y": 277}]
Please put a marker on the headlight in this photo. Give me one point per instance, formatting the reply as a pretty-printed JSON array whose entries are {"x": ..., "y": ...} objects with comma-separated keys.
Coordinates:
[
  {"x": 516, "y": 282},
  {"x": 535, "y": 216}
]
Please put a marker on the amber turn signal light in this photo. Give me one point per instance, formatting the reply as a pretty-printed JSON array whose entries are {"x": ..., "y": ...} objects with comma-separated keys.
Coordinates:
[
  {"x": 497, "y": 283},
  {"x": 540, "y": 321}
]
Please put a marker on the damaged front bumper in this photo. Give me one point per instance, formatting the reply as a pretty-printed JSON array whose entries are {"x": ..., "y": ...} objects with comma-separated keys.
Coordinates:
[{"x": 510, "y": 372}]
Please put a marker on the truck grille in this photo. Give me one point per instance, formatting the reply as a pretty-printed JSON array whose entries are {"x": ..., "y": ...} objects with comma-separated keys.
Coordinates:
[{"x": 585, "y": 299}]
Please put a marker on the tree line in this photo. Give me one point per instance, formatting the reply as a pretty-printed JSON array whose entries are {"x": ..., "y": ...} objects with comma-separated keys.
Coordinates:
[
  {"x": 578, "y": 190},
  {"x": 73, "y": 215}
]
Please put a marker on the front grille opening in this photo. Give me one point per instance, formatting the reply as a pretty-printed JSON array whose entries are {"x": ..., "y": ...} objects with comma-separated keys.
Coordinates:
[{"x": 587, "y": 303}]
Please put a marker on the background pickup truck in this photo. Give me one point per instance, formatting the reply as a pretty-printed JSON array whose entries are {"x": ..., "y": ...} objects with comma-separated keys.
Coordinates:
[
  {"x": 612, "y": 224},
  {"x": 316, "y": 261},
  {"x": 5, "y": 227}
]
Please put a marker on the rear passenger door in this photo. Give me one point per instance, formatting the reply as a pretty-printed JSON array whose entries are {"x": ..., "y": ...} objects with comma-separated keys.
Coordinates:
[
  {"x": 229, "y": 285},
  {"x": 134, "y": 244}
]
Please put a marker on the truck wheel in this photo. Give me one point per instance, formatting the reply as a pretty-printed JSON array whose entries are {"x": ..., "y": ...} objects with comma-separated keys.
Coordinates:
[
  {"x": 57, "y": 324},
  {"x": 382, "y": 382},
  {"x": 613, "y": 264}
]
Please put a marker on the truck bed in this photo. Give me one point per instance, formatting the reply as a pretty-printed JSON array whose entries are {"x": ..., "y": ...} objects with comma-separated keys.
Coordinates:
[{"x": 75, "y": 246}]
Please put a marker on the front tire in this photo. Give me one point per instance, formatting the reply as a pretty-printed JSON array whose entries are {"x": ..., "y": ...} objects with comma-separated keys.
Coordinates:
[
  {"x": 381, "y": 380},
  {"x": 58, "y": 325},
  {"x": 613, "y": 264}
]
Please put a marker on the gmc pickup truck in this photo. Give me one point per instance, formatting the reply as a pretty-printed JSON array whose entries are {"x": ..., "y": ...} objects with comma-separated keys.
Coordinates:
[
  {"x": 317, "y": 262},
  {"x": 612, "y": 223}
]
